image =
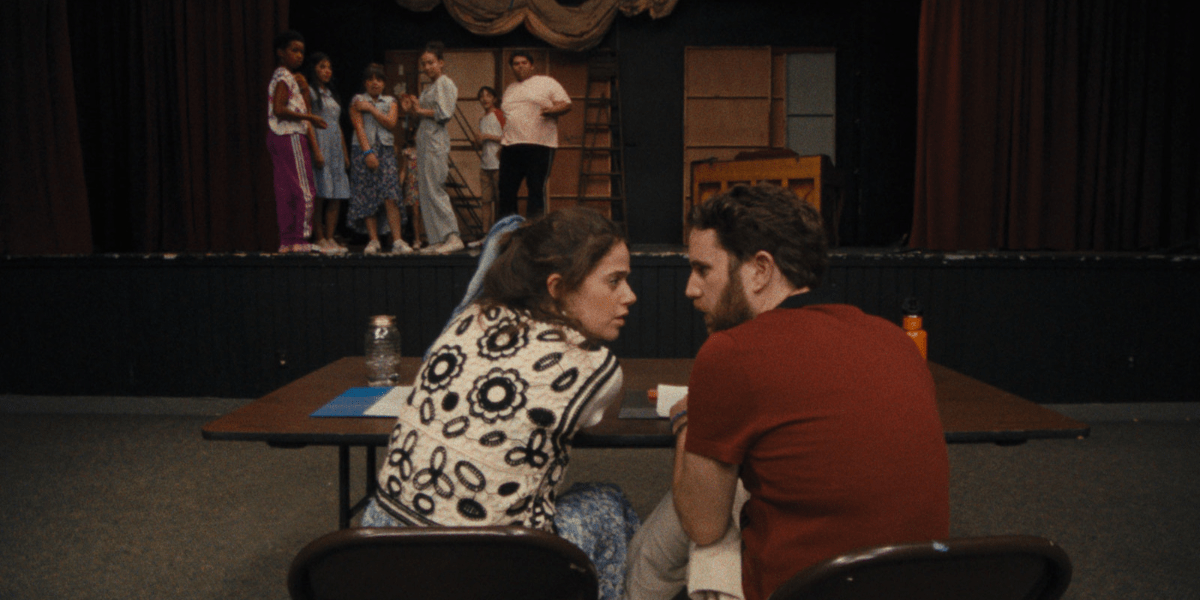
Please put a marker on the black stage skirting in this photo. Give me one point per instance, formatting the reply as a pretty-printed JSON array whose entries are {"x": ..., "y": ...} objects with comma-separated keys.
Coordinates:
[{"x": 1052, "y": 327}]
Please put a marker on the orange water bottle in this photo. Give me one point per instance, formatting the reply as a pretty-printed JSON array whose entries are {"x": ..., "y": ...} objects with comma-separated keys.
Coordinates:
[{"x": 913, "y": 326}]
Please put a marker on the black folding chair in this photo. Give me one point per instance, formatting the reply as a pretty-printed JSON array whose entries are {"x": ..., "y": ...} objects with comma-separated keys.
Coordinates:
[
  {"x": 427, "y": 563},
  {"x": 983, "y": 568}
]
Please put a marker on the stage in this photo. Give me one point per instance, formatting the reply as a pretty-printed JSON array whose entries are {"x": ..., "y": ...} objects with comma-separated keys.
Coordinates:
[{"x": 1051, "y": 327}]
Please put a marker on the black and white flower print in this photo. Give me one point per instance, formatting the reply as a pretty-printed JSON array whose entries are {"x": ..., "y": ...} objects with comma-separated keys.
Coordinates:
[
  {"x": 498, "y": 395},
  {"x": 445, "y": 365},
  {"x": 503, "y": 339}
]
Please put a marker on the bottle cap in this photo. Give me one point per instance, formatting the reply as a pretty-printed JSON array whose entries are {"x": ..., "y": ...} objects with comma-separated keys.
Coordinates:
[
  {"x": 911, "y": 306},
  {"x": 383, "y": 320}
]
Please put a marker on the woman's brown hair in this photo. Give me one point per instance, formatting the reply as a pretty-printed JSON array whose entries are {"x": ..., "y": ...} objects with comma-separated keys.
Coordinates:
[{"x": 570, "y": 242}]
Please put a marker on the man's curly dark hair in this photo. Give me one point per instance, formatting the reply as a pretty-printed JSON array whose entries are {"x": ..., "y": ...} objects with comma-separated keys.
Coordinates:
[{"x": 748, "y": 219}]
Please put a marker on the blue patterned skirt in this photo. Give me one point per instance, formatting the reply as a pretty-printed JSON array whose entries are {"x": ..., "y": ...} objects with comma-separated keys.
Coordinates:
[
  {"x": 596, "y": 517},
  {"x": 370, "y": 189}
]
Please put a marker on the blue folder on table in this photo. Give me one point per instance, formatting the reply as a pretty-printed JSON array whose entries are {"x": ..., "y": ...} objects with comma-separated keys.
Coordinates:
[{"x": 354, "y": 402}]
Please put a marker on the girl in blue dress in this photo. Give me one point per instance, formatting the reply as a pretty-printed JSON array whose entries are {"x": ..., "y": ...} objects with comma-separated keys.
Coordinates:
[{"x": 330, "y": 159}]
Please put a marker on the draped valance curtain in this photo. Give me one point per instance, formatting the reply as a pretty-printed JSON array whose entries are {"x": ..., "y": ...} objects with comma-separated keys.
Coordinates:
[{"x": 568, "y": 27}]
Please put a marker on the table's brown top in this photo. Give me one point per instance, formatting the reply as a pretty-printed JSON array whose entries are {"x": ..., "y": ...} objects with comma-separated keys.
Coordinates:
[{"x": 971, "y": 411}]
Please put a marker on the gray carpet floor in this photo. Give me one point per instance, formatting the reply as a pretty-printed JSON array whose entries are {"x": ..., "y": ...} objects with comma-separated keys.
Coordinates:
[{"x": 121, "y": 498}]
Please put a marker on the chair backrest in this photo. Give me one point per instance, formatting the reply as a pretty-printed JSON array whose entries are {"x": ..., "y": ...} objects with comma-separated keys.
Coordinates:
[
  {"x": 984, "y": 568},
  {"x": 442, "y": 562}
]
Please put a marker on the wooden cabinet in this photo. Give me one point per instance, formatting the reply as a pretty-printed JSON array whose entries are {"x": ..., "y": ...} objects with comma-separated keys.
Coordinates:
[{"x": 812, "y": 178}]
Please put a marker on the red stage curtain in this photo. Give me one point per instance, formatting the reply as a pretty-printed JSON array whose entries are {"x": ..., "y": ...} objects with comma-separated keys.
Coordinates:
[
  {"x": 1056, "y": 124},
  {"x": 43, "y": 197},
  {"x": 172, "y": 107},
  {"x": 137, "y": 125}
]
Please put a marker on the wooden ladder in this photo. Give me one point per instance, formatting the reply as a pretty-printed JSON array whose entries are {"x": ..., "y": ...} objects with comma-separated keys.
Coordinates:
[{"x": 602, "y": 164}]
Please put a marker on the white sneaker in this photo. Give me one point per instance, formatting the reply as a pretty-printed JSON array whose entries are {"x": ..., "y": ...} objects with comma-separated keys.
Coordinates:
[
  {"x": 401, "y": 247},
  {"x": 372, "y": 247},
  {"x": 452, "y": 244},
  {"x": 330, "y": 247}
]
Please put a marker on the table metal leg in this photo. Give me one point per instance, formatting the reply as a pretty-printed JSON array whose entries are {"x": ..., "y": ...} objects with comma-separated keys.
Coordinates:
[
  {"x": 371, "y": 470},
  {"x": 345, "y": 510},
  {"x": 343, "y": 487}
]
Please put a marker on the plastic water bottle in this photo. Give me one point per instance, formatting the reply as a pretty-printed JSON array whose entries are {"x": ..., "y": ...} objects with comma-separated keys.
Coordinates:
[{"x": 383, "y": 351}]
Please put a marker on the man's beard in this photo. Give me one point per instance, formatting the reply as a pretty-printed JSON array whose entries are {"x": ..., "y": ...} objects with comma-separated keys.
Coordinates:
[{"x": 732, "y": 309}]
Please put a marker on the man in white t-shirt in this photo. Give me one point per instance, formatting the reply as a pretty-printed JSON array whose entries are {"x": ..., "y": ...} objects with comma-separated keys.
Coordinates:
[{"x": 531, "y": 108}]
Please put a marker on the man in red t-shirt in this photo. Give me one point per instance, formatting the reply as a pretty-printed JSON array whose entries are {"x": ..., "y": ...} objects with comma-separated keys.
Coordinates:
[{"x": 825, "y": 415}]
